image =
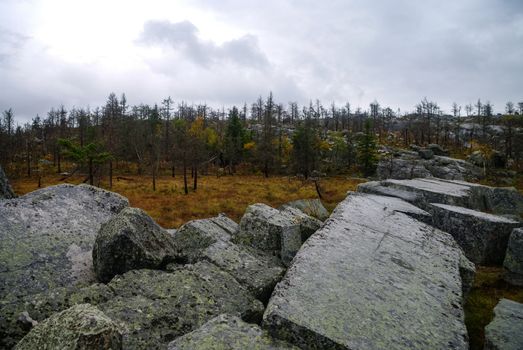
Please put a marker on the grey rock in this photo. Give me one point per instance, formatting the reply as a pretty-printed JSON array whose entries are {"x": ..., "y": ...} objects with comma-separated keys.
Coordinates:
[
  {"x": 271, "y": 230},
  {"x": 420, "y": 164},
  {"x": 422, "y": 192},
  {"x": 482, "y": 236},
  {"x": 25, "y": 321},
  {"x": 308, "y": 224},
  {"x": 195, "y": 236},
  {"x": 6, "y": 191},
  {"x": 157, "y": 306},
  {"x": 438, "y": 150},
  {"x": 477, "y": 158},
  {"x": 311, "y": 207},
  {"x": 426, "y": 153},
  {"x": 513, "y": 262},
  {"x": 505, "y": 332},
  {"x": 228, "y": 332},
  {"x": 131, "y": 240},
  {"x": 372, "y": 277},
  {"x": 47, "y": 238},
  {"x": 82, "y": 326},
  {"x": 255, "y": 272}
]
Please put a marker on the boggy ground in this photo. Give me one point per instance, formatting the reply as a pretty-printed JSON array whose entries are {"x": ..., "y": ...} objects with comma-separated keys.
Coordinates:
[
  {"x": 170, "y": 207},
  {"x": 231, "y": 195}
]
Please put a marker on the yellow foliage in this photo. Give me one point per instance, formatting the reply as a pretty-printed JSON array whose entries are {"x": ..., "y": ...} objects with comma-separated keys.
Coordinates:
[{"x": 249, "y": 146}]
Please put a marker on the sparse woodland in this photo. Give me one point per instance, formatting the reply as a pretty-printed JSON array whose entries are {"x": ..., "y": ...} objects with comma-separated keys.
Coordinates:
[{"x": 266, "y": 137}]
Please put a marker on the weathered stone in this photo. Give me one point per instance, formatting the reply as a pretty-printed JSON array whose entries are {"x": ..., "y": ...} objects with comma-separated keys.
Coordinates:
[
  {"x": 6, "y": 191},
  {"x": 195, "y": 236},
  {"x": 438, "y": 150},
  {"x": 228, "y": 332},
  {"x": 157, "y": 306},
  {"x": 131, "y": 240},
  {"x": 482, "y": 236},
  {"x": 13, "y": 321},
  {"x": 82, "y": 326},
  {"x": 426, "y": 153},
  {"x": 256, "y": 273},
  {"x": 505, "y": 332},
  {"x": 422, "y": 192},
  {"x": 268, "y": 229},
  {"x": 47, "y": 237},
  {"x": 477, "y": 158},
  {"x": 308, "y": 224},
  {"x": 513, "y": 263},
  {"x": 311, "y": 207},
  {"x": 372, "y": 277},
  {"x": 423, "y": 163}
]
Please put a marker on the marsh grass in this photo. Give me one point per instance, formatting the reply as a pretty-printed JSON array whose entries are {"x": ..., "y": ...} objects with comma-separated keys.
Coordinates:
[{"x": 231, "y": 195}]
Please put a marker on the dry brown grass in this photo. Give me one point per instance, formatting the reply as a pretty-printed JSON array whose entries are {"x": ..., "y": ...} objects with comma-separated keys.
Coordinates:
[{"x": 231, "y": 195}]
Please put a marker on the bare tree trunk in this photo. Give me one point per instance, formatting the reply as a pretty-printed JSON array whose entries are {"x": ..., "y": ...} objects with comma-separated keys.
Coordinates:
[
  {"x": 185, "y": 174},
  {"x": 110, "y": 174},
  {"x": 91, "y": 180},
  {"x": 195, "y": 185},
  {"x": 154, "y": 176}
]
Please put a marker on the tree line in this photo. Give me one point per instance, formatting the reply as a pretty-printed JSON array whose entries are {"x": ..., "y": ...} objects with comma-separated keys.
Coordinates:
[{"x": 265, "y": 137}]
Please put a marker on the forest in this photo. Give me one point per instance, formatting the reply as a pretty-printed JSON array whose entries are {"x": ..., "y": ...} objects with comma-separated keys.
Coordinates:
[{"x": 265, "y": 137}]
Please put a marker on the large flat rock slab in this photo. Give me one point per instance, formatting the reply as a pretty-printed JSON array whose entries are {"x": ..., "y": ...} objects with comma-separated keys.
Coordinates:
[
  {"x": 373, "y": 277},
  {"x": 228, "y": 332},
  {"x": 46, "y": 242},
  {"x": 482, "y": 236},
  {"x": 505, "y": 332},
  {"x": 47, "y": 237},
  {"x": 423, "y": 191}
]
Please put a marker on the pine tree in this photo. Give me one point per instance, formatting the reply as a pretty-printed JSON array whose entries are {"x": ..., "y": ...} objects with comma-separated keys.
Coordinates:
[{"x": 367, "y": 150}]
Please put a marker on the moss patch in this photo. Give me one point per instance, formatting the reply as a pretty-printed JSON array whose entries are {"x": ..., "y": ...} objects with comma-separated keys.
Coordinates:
[{"x": 489, "y": 287}]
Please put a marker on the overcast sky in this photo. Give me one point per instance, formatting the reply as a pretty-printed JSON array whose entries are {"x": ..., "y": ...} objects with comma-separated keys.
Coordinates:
[{"x": 232, "y": 51}]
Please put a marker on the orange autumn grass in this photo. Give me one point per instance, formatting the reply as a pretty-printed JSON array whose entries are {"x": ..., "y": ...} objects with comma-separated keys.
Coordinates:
[{"x": 231, "y": 195}]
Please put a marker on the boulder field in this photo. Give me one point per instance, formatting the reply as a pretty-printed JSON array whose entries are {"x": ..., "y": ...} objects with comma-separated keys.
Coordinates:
[{"x": 389, "y": 269}]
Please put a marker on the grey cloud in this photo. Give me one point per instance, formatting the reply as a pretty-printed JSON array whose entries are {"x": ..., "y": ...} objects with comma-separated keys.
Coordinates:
[{"x": 183, "y": 36}]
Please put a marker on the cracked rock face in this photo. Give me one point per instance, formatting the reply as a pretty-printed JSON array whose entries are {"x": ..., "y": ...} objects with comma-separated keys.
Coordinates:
[
  {"x": 311, "y": 207},
  {"x": 482, "y": 236},
  {"x": 505, "y": 332},
  {"x": 228, "y": 332},
  {"x": 372, "y": 277},
  {"x": 47, "y": 237},
  {"x": 131, "y": 240}
]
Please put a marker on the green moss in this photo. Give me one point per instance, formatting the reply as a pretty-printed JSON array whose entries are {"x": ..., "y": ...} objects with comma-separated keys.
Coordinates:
[{"x": 489, "y": 287}]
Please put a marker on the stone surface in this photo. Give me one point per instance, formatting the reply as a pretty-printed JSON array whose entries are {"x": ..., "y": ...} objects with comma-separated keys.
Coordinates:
[
  {"x": 422, "y": 163},
  {"x": 6, "y": 192},
  {"x": 482, "y": 236},
  {"x": 311, "y": 207},
  {"x": 82, "y": 326},
  {"x": 228, "y": 332},
  {"x": 195, "y": 236},
  {"x": 257, "y": 273},
  {"x": 157, "y": 306},
  {"x": 47, "y": 237},
  {"x": 209, "y": 239},
  {"x": 438, "y": 150},
  {"x": 271, "y": 230},
  {"x": 513, "y": 262},
  {"x": 422, "y": 192},
  {"x": 131, "y": 240},
  {"x": 372, "y": 277},
  {"x": 505, "y": 332},
  {"x": 308, "y": 224}
]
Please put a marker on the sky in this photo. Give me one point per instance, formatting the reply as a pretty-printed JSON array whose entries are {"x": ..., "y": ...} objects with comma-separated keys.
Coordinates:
[{"x": 75, "y": 52}]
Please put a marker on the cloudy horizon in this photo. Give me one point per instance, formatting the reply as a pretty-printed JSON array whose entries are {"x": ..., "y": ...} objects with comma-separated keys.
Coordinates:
[{"x": 74, "y": 53}]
